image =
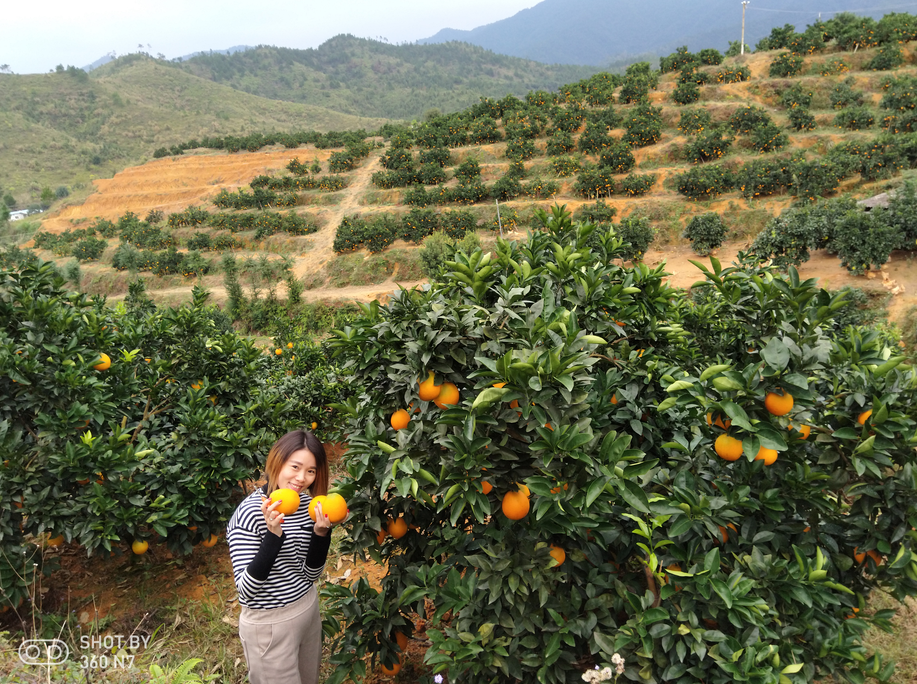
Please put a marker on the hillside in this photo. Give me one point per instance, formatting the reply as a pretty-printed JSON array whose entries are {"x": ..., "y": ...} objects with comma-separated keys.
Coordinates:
[
  {"x": 602, "y": 31},
  {"x": 64, "y": 129},
  {"x": 372, "y": 78}
]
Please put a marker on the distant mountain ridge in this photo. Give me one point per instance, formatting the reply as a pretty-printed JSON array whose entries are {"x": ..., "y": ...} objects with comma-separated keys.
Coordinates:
[
  {"x": 598, "y": 32},
  {"x": 111, "y": 56}
]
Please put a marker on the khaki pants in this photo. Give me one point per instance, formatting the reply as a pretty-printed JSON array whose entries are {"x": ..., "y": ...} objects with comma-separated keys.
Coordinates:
[{"x": 283, "y": 645}]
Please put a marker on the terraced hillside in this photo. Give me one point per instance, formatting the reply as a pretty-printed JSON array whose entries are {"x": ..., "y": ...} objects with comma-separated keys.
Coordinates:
[{"x": 619, "y": 147}]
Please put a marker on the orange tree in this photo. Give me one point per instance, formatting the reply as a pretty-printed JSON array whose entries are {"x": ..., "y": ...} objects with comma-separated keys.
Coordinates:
[
  {"x": 152, "y": 441},
  {"x": 598, "y": 392}
]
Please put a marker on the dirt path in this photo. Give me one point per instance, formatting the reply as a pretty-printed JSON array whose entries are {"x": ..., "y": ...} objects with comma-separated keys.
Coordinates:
[{"x": 321, "y": 252}]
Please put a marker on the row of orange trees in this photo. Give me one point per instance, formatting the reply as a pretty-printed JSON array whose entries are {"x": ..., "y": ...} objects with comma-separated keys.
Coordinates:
[
  {"x": 127, "y": 423},
  {"x": 567, "y": 502}
]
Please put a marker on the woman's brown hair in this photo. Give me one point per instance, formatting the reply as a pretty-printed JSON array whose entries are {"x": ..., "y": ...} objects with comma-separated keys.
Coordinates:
[{"x": 285, "y": 447}]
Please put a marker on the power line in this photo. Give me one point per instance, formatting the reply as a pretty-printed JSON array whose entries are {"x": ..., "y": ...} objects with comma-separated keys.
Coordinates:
[{"x": 862, "y": 9}]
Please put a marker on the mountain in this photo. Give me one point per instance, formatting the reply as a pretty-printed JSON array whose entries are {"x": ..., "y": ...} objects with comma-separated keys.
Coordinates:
[
  {"x": 373, "y": 78},
  {"x": 69, "y": 127},
  {"x": 601, "y": 31}
]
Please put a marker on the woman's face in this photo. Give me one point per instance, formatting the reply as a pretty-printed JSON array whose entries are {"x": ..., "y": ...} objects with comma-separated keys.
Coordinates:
[{"x": 298, "y": 473}]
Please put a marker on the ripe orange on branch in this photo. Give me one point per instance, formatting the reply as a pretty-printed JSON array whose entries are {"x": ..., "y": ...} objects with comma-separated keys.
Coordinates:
[
  {"x": 515, "y": 505},
  {"x": 728, "y": 448},
  {"x": 448, "y": 395},
  {"x": 104, "y": 362},
  {"x": 400, "y": 419},
  {"x": 778, "y": 403},
  {"x": 766, "y": 455},
  {"x": 397, "y": 528},
  {"x": 427, "y": 389},
  {"x": 863, "y": 417}
]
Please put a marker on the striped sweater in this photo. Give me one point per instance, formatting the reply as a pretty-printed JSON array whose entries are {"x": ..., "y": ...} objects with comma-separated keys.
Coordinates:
[{"x": 272, "y": 571}]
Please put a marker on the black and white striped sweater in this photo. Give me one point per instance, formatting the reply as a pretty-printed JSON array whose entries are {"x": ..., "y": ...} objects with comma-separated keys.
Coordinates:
[{"x": 272, "y": 571}]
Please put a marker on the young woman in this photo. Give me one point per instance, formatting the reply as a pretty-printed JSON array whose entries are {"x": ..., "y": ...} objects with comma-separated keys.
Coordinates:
[{"x": 276, "y": 561}]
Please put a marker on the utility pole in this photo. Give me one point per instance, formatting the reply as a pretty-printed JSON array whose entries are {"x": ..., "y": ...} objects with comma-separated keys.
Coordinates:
[{"x": 742, "y": 45}]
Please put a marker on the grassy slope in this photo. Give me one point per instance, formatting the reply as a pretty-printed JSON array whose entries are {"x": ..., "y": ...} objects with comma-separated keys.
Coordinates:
[
  {"x": 372, "y": 78},
  {"x": 54, "y": 125}
]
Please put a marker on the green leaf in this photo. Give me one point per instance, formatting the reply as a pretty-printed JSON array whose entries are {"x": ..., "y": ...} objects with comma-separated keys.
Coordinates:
[
  {"x": 776, "y": 354},
  {"x": 633, "y": 495},
  {"x": 489, "y": 396}
]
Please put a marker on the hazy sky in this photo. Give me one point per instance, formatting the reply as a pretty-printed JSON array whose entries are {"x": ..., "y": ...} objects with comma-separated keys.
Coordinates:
[{"x": 36, "y": 36}]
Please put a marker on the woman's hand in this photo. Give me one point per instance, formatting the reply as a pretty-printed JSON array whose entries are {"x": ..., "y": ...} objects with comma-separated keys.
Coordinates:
[
  {"x": 322, "y": 522},
  {"x": 271, "y": 516}
]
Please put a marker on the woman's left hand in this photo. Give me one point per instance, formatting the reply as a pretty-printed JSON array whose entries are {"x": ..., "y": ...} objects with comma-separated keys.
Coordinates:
[{"x": 322, "y": 522}]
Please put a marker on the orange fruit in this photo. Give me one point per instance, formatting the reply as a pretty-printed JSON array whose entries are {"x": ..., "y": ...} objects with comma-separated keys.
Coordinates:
[
  {"x": 381, "y": 536},
  {"x": 289, "y": 501},
  {"x": 558, "y": 554},
  {"x": 104, "y": 362},
  {"x": 719, "y": 421},
  {"x": 335, "y": 507},
  {"x": 486, "y": 487},
  {"x": 804, "y": 430},
  {"x": 499, "y": 385},
  {"x": 391, "y": 671},
  {"x": 557, "y": 489},
  {"x": 278, "y": 351},
  {"x": 316, "y": 500},
  {"x": 289, "y": 345},
  {"x": 56, "y": 541},
  {"x": 315, "y": 425},
  {"x": 401, "y": 640},
  {"x": 397, "y": 528},
  {"x": 515, "y": 505},
  {"x": 863, "y": 417},
  {"x": 514, "y": 403},
  {"x": 448, "y": 395},
  {"x": 614, "y": 398},
  {"x": 778, "y": 403},
  {"x": 861, "y": 557},
  {"x": 214, "y": 538},
  {"x": 766, "y": 455},
  {"x": 525, "y": 490},
  {"x": 548, "y": 425},
  {"x": 728, "y": 448},
  {"x": 427, "y": 390},
  {"x": 400, "y": 419},
  {"x": 725, "y": 533}
]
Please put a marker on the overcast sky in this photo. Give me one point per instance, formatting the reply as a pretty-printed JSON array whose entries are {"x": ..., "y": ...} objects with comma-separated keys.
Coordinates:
[{"x": 36, "y": 36}]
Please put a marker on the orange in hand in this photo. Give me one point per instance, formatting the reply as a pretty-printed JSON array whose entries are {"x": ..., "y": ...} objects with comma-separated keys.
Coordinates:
[
  {"x": 289, "y": 501},
  {"x": 335, "y": 507}
]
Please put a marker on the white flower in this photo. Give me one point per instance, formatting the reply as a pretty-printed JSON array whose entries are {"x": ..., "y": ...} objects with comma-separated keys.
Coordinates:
[{"x": 438, "y": 679}]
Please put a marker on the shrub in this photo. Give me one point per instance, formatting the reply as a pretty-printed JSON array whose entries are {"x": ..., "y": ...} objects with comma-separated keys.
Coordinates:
[
  {"x": 436, "y": 155},
  {"x": 200, "y": 241},
  {"x": 677, "y": 60},
  {"x": 468, "y": 170},
  {"x": 786, "y": 65},
  {"x": 469, "y": 192},
  {"x": 519, "y": 149},
  {"x": 764, "y": 177},
  {"x": 506, "y": 188},
  {"x": 801, "y": 119},
  {"x": 540, "y": 189},
  {"x": 706, "y": 232},
  {"x": 635, "y": 185},
  {"x": 456, "y": 224},
  {"x": 417, "y": 224},
  {"x": 560, "y": 143},
  {"x": 817, "y": 178},
  {"x": 707, "y": 147},
  {"x": 710, "y": 56},
  {"x": 594, "y": 182},
  {"x": 778, "y": 39},
  {"x": 796, "y": 96},
  {"x": 733, "y": 74},
  {"x": 644, "y": 127},
  {"x": 439, "y": 248},
  {"x": 863, "y": 240},
  {"x": 834, "y": 67},
  {"x": 887, "y": 57},
  {"x": 417, "y": 197},
  {"x": 686, "y": 93},
  {"x": 748, "y": 118},
  {"x": 788, "y": 239},
  {"x": 617, "y": 158},
  {"x": 843, "y": 95},
  {"x": 704, "y": 182},
  {"x": 565, "y": 166},
  {"x": 594, "y": 139},
  {"x": 599, "y": 212},
  {"x": 872, "y": 160},
  {"x": 854, "y": 119},
  {"x": 637, "y": 234},
  {"x": 89, "y": 249},
  {"x": 431, "y": 174},
  {"x": 484, "y": 131},
  {"x": 126, "y": 258},
  {"x": 694, "y": 121},
  {"x": 768, "y": 138}
]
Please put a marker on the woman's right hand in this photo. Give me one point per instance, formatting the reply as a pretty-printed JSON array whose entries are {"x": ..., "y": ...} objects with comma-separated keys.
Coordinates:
[{"x": 271, "y": 516}]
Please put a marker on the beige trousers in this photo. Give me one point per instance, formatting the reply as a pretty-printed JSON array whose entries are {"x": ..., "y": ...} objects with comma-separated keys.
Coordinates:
[{"x": 283, "y": 645}]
